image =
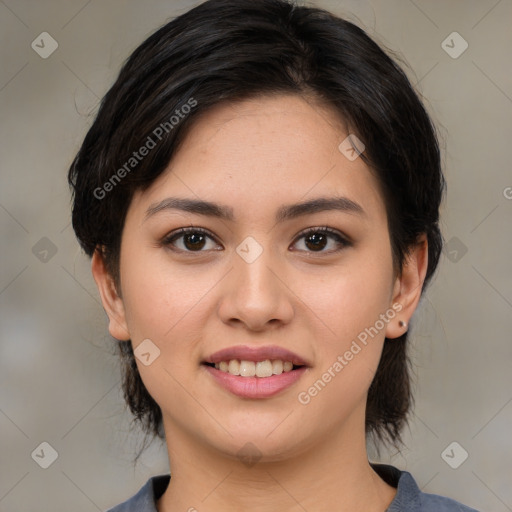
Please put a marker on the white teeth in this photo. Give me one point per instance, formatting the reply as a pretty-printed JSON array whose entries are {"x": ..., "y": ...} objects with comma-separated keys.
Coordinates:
[
  {"x": 277, "y": 367},
  {"x": 247, "y": 368},
  {"x": 234, "y": 367},
  {"x": 262, "y": 369}
]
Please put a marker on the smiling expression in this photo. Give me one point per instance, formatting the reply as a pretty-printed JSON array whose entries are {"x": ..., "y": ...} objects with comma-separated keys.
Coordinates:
[{"x": 261, "y": 235}]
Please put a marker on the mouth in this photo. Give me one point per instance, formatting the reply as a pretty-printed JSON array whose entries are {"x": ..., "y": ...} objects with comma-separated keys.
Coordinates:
[
  {"x": 260, "y": 369},
  {"x": 255, "y": 372}
]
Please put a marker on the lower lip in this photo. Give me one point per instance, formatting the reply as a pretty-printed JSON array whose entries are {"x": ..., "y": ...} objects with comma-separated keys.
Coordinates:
[{"x": 256, "y": 387}]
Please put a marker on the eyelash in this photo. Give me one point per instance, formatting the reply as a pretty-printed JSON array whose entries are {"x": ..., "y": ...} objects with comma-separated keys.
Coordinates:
[{"x": 341, "y": 240}]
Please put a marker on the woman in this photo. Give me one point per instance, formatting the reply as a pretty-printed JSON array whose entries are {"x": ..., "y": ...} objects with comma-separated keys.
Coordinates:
[{"x": 260, "y": 194}]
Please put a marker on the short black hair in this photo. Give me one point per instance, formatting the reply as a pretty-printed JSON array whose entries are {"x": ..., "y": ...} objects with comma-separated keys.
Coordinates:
[{"x": 231, "y": 50}]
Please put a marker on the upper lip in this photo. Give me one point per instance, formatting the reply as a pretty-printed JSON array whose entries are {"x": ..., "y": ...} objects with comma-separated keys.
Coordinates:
[{"x": 247, "y": 353}]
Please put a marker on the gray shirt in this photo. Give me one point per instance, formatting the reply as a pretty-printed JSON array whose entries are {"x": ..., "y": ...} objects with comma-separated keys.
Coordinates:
[{"x": 408, "y": 498}]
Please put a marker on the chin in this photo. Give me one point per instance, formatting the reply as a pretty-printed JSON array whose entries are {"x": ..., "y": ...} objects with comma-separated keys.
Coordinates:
[{"x": 257, "y": 445}]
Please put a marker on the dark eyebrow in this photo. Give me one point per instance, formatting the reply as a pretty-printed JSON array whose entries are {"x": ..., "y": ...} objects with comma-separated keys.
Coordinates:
[
  {"x": 319, "y": 204},
  {"x": 192, "y": 206},
  {"x": 286, "y": 212}
]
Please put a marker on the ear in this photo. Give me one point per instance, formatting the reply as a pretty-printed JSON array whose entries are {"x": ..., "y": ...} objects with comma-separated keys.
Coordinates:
[
  {"x": 112, "y": 302},
  {"x": 408, "y": 286}
]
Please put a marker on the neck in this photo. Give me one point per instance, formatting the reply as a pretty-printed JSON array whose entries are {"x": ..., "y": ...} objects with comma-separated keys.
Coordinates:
[{"x": 334, "y": 476}]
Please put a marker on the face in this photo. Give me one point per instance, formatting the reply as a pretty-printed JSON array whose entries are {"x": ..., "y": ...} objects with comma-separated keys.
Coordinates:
[{"x": 255, "y": 276}]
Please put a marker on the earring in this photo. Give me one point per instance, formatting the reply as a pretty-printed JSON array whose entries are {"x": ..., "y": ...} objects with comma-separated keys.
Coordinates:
[{"x": 402, "y": 324}]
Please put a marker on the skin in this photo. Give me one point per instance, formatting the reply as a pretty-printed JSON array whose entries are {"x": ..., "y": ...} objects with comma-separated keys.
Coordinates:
[{"x": 255, "y": 156}]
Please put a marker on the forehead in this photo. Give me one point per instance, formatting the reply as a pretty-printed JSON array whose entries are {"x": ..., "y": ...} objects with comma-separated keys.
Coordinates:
[{"x": 253, "y": 154}]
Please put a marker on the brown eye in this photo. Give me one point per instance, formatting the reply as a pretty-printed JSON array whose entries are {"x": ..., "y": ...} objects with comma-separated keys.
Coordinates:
[
  {"x": 194, "y": 241},
  {"x": 189, "y": 240},
  {"x": 317, "y": 239}
]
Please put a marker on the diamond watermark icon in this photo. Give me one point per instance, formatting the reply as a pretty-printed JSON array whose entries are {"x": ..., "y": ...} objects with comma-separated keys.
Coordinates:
[
  {"x": 352, "y": 147},
  {"x": 45, "y": 455},
  {"x": 146, "y": 352},
  {"x": 249, "y": 250},
  {"x": 249, "y": 454},
  {"x": 454, "y": 455},
  {"x": 44, "y": 45},
  {"x": 455, "y": 249},
  {"x": 44, "y": 250},
  {"x": 454, "y": 45}
]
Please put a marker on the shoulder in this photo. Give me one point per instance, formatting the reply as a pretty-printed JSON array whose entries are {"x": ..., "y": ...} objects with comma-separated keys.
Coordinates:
[
  {"x": 145, "y": 499},
  {"x": 410, "y": 498}
]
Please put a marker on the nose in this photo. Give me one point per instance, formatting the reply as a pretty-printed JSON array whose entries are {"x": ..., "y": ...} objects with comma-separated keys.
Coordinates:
[{"x": 256, "y": 294}]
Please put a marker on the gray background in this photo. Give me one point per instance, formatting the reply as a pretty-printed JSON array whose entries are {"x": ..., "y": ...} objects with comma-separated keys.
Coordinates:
[{"x": 59, "y": 380}]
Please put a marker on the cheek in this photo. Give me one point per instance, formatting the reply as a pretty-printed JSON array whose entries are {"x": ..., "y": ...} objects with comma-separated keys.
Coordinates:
[
  {"x": 351, "y": 298},
  {"x": 339, "y": 382},
  {"x": 350, "y": 304},
  {"x": 169, "y": 308},
  {"x": 159, "y": 297}
]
